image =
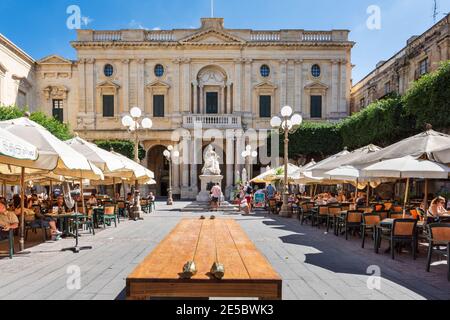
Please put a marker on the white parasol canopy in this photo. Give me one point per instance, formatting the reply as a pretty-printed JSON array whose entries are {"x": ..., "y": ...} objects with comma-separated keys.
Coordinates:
[
  {"x": 13, "y": 148},
  {"x": 140, "y": 173}
]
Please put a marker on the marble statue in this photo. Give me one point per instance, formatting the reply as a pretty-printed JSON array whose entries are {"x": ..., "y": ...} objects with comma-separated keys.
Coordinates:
[{"x": 212, "y": 167}]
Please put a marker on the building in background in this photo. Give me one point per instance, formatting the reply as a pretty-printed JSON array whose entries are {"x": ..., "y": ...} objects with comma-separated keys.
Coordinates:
[
  {"x": 17, "y": 75},
  {"x": 422, "y": 54}
]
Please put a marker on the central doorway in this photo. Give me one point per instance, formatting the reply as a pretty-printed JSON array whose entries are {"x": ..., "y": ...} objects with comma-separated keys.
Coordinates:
[{"x": 212, "y": 103}]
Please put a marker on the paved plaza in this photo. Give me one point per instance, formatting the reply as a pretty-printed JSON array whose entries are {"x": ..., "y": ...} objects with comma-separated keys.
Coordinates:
[{"x": 312, "y": 264}]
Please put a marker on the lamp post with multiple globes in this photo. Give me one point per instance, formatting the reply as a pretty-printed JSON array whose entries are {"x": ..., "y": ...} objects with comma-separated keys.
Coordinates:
[
  {"x": 286, "y": 123},
  {"x": 135, "y": 122},
  {"x": 249, "y": 155},
  {"x": 170, "y": 154}
]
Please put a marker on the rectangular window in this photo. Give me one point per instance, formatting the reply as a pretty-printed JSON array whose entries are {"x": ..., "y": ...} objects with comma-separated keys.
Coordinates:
[
  {"x": 316, "y": 106},
  {"x": 265, "y": 106},
  {"x": 362, "y": 103},
  {"x": 108, "y": 106},
  {"x": 387, "y": 87},
  {"x": 423, "y": 67},
  {"x": 158, "y": 106},
  {"x": 58, "y": 110},
  {"x": 212, "y": 103}
]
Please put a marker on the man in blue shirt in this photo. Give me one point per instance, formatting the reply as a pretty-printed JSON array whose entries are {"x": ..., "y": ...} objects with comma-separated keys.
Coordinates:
[{"x": 270, "y": 191}]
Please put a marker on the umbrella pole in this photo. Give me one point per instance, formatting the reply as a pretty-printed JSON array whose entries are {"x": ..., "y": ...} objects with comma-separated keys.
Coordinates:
[
  {"x": 82, "y": 196},
  {"x": 356, "y": 192},
  {"x": 114, "y": 190},
  {"x": 51, "y": 191},
  {"x": 406, "y": 197},
  {"x": 368, "y": 194},
  {"x": 425, "y": 200},
  {"x": 22, "y": 210}
]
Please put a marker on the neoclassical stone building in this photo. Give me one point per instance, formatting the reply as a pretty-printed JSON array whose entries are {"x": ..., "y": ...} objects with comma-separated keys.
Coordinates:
[
  {"x": 422, "y": 54},
  {"x": 229, "y": 80}
]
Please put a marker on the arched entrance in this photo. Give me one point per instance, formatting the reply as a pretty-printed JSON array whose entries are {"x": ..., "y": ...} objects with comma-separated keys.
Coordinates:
[{"x": 160, "y": 166}]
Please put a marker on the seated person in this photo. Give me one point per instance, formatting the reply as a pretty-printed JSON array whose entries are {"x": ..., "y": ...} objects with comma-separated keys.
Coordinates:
[
  {"x": 436, "y": 210},
  {"x": 352, "y": 199},
  {"x": 130, "y": 198},
  {"x": 8, "y": 220},
  {"x": 92, "y": 200},
  {"x": 151, "y": 197},
  {"x": 341, "y": 197},
  {"x": 35, "y": 218},
  {"x": 361, "y": 199},
  {"x": 332, "y": 199}
]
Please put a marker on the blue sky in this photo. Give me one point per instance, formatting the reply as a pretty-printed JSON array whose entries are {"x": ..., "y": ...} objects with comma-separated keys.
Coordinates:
[{"x": 39, "y": 27}]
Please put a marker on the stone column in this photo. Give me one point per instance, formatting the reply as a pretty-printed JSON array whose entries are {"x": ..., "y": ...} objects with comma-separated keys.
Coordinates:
[
  {"x": 283, "y": 82},
  {"x": 240, "y": 146},
  {"x": 201, "y": 106},
  {"x": 195, "y": 107},
  {"x": 237, "y": 85},
  {"x": 230, "y": 158},
  {"x": 82, "y": 78},
  {"x": 248, "y": 86},
  {"x": 125, "y": 85},
  {"x": 176, "y": 89},
  {"x": 90, "y": 86},
  {"x": 185, "y": 163},
  {"x": 176, "y": 176},
  {"x": 298, "y": 87},
  {"x": 223, "y": 107},
  {"x": 228, "y": 110},
  {"x": 187, "y": 85},
  {"x": 140, "y": 84},
  {"x": 343, "y": 96},
  {"x": 335, "y": 77},
  {"x": 194, "y": 162}
]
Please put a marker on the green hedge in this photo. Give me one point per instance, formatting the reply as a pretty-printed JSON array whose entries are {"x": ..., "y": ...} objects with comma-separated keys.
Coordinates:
[
  {"x": 383, "y": 122},
  {"x": 60, "y": 130},
  {"x": 123, "y": 147}
]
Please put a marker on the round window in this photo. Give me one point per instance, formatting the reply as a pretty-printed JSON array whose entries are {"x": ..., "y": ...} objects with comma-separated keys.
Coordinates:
[
  {"x": 159, "y": 70},
  {"x": 265, "y": 71},
  {"x": 315, "y": 71},
  {"x": 108, "y": 70}
]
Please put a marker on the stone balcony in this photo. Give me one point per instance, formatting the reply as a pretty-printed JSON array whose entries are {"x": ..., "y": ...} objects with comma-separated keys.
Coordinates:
[{"x": 212, "y": 121}]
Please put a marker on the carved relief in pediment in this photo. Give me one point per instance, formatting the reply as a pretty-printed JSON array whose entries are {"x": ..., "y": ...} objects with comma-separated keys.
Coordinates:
[{"x": 56, "y": 92}]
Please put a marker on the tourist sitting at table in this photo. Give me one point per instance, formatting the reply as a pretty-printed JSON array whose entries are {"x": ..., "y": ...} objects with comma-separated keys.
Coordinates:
[
  {"x": 361, "y": 199},
  {"x": 34, "y": 218},
  {"x": 60, "y": 207},
  {"x": 320, "y": 201},
  {"x": 332, "y": 199},
  {"x": 92, "y": 200},
  {"x": 32, "y": 201},
  {"x": 151, "y": 197},
  {"x": 436, "y": 210},
  {"x": 8, "y": 220},
  {"x": 341, "y": 197}
]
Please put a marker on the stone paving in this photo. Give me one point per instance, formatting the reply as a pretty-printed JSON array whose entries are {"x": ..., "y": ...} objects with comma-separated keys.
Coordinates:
[{"x": 313, "y": 264}]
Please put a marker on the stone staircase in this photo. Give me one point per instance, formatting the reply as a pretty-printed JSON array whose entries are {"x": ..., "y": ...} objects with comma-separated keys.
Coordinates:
[{"x": 197, "y": 206}]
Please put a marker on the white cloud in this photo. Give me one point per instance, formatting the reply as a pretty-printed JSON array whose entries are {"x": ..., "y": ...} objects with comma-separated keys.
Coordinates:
[
  {"x": 133, "y": 24},
  {"x": 156, "y": 29}
]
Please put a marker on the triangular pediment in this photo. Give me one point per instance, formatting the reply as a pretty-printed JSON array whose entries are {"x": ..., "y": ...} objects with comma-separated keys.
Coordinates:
[
  {"x": 212, "y": 36},
  {"x": 317, "y": 85},
  {"x": 108, "y": 84},
  {"x": 54, "y": 59},
  {"x": 158, "y": 84},
  {"x": 265, "y": 85}
]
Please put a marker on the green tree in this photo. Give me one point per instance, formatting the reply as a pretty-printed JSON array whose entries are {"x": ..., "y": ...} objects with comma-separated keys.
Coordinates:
[{"x": 123, "y": 147}]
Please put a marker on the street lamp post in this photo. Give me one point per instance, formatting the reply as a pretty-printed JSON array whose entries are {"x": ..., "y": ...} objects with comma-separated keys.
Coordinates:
[
  {"x": 286, "y": 123},
  {"x": 249, "y": 155},
  {"x": 170, "y": 154},
  {"x": 134, "y": 122}
]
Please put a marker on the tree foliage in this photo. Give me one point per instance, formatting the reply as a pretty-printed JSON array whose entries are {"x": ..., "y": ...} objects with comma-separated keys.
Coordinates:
[
  {"x": 123, "y": 147},
  {"x": 58, "y": 129}
]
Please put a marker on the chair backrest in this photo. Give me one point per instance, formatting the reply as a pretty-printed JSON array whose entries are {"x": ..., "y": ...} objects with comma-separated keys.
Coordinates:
[
  {"x": 109, "y": 210},
  {"x": 387, "y": 206},
  {"x": 378, "y": 207},
  {"x": 404, "y": 227},
  {"x": 323, "y": 210},
  {"x": 396, "y": 215},
  {"x": 366, "y": 209},
  {"x": 383, "y": 214},
  {"x": 121, "y": 205},
  {"x": 371, "y": 219},
  {"x": 144, "y": 202},
  {"x": 345, "y": 207},
  {"x": 397, "y": 209},
  {"x": 272, "y": 203},
  {"x": 305, "y": 207},
  {"x": 439, "y": 232},
  {"x": 354, "y": 216},
  {"x": 414, "y": 214},
  {"x": 334, "y": 211}
]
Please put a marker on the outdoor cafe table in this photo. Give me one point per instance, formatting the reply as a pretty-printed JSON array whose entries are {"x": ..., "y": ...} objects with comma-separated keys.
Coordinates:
[
  {"x": 64, "y": 221},
  {"x": 247, "y": 272}
]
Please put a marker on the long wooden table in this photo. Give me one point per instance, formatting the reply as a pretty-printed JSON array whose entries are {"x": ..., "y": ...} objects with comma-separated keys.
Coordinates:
[{"x": 247, "y": 272}]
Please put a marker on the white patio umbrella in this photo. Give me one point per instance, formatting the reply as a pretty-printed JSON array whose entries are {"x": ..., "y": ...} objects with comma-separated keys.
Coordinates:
[
  {"x": 55, "y": 156},
  {"x": 408, "y": 167},
  {"x": 139, "y": 172},
  {"x": 330, "y": 160}
]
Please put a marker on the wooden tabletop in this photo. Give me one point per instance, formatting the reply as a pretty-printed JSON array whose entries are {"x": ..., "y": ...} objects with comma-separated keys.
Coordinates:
[{"x": 201, "y": 241}]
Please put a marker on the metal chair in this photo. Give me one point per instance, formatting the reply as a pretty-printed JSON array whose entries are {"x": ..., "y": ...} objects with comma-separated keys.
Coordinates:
[
  {"x": 369, "y": 224},
  {"x": 439, "y": 236},
  {"x": 402, "y": 231}
]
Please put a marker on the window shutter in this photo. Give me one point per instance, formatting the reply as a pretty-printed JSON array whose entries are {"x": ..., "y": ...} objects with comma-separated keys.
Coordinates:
[
  {"x": 158, "y": 106},
  {"x": 265, "y": 106},
  {"x": 108, "y": 106}
]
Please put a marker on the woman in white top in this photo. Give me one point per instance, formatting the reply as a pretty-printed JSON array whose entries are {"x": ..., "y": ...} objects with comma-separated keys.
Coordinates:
[{"x": 436, "y": 209}]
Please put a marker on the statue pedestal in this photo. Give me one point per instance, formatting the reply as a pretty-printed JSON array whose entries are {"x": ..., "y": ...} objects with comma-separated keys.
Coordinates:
[{"x": 203, "y": 196}]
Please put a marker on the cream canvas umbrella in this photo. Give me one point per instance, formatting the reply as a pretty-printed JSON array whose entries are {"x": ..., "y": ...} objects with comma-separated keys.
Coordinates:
[
  {"x": 408, "y": 167},
  {"x": 54, "y": 156},
  {"x": 332, "y": 159},
  {"x": 140, "y": 173}
]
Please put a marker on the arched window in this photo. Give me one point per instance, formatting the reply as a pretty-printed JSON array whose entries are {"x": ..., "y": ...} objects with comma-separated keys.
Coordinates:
[
  {"x": 315, "y": 71},
  {"x": 159, "y": 70},
  {"x": 265, "y": 71}
]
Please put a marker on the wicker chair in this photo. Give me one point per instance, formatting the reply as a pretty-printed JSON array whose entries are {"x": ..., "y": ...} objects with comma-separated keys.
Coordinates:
[
  {"x": 402, "y": 231},
  {"x": 321, "y": 216},
  {"x": 378, "y": 207},
  {"x": 334, "y": 213},
  {"x": 439, "y": 236},
  {"x": 109, "y": 213},
  {"x": 273, "y": 206},
  {"x": 352, "y": 221}
]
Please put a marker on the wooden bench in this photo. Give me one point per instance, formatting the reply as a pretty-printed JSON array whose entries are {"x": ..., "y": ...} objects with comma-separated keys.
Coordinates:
[{"x": 247, "y": 272}]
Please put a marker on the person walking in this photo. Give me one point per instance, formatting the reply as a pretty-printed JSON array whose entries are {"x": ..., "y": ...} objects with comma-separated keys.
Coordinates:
[{"x": 216, "y": 194}]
